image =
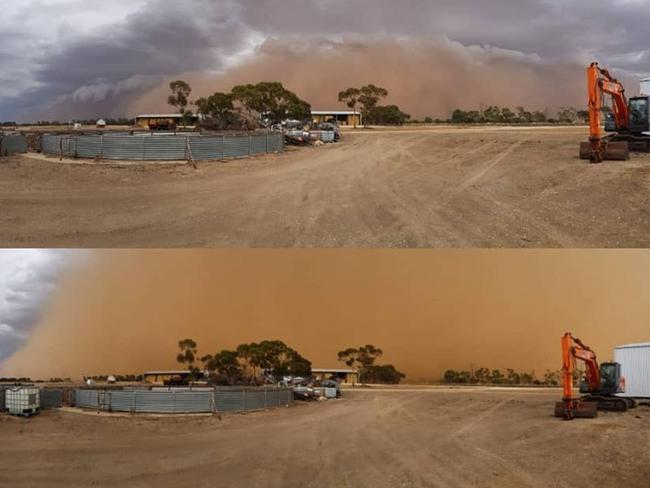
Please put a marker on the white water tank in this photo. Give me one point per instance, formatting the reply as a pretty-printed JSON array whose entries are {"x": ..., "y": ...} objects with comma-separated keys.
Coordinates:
[
  {"x": 635, "y": 368},
  {"x": 22, "y": 400},
  {"x": 645, "y": 87}
]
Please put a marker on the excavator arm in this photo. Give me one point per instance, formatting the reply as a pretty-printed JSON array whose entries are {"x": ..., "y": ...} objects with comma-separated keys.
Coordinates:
[
  {"x": 600, "y": 83},
  {"x": 572, "y": 350}
]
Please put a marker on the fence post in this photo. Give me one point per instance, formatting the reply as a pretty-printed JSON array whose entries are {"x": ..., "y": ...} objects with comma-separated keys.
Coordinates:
[
  {"x": 134, "y": 406},
  {"x": 223, "y": 147},
  {"x": 266, "y": 399},
  {"x": 267, "y": 142},
  {"x": 250, "y": 145},
  {"x": 243, "y": 400},
  {"x": 101, "y": 147}
]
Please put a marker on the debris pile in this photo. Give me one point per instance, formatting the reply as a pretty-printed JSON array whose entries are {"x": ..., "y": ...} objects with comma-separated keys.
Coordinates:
[
  {"x": 309, "y": 390},
  {"x": 297, "y": 133}
]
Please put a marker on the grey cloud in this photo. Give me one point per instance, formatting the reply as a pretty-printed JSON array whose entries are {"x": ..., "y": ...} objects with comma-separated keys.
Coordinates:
[
  {"x": 27, "y": 279},
  {"x": 97, "y": 73}
]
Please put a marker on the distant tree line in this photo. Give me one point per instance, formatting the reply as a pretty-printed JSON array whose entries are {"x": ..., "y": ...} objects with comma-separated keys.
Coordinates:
[
  {"x": 498, "y": 115},
  {"x": 487, "y": 376},
  {"x": 363, "y": 360}
]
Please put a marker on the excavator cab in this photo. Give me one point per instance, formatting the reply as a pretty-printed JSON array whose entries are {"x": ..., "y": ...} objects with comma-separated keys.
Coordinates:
[
  {"x": 639, "y": 115},
  {"x": 611, "y": 381}
]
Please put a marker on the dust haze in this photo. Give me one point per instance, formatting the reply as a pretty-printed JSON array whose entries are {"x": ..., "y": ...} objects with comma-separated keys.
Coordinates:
[
  {"x": 124, "y": 311},
  {"x": 424, "y": 77}
]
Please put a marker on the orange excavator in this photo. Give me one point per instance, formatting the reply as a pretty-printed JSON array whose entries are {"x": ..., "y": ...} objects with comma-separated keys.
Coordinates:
[
  {"x": 601, "y": 387},
  {"x": 628, "y": 121}
]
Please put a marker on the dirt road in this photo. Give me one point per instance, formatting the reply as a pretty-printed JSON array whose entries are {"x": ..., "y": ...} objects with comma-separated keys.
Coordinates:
[
  {"x": 417, "y": 438},
  {"x": 408, "y": 188}
]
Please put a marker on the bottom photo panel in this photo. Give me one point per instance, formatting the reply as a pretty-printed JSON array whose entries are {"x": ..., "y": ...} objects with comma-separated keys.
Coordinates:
[{"x": 310, "y": 368}]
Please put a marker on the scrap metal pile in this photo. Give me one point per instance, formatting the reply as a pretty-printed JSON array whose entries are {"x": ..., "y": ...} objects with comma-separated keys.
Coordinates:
[
  {"x": 296, "y": 133},
  {"x": 309, "y": 390}
]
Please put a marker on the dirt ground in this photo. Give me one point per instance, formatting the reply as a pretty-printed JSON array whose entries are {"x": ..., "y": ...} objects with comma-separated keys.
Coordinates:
[
  {"x": 426, "y": 437},
  {"x": 440, "y": 187}
]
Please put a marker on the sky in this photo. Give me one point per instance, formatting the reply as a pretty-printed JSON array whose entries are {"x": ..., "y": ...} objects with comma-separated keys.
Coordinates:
[
  {"x": 27, "y": 280},
  {"x": 75, "y": 59},
  {"x": 124, "y": 311}
]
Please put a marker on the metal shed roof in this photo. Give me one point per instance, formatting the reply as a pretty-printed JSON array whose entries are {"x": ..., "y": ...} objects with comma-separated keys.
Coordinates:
[
  {"x": 334, "y": 112},
  {"x": 332, "y": 370},
  {"x": 628, "y": 346},
  {"x": 160, "y": 116}
]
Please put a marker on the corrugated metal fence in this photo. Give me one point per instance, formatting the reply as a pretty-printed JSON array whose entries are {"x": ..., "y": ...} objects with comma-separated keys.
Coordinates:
[
  {"x": 12, "y": 144},
  {"x": 162, "y": 147},
  {"x": 203, "y": 401}
]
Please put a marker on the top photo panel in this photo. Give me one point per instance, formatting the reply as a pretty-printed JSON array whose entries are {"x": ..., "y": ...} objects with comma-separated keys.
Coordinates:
[{"x": 325, "y": 124}]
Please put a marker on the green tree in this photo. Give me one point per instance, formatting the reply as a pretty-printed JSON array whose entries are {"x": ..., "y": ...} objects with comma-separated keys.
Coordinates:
[
  {"x": 552, "y": 378},
  {"x": 226, "y": 365},
  {"x": 507, "y": 115},
  {"x": 369, "y": 98},
  {"x": 483, "y": 375},
  {"x": 271, "y": 100},
  {"x": 361, "y": 357},
  {"x": 497, "y": 376},
  {"x": 351, "y": 98},
  {"x": 219, "y": 108},
  {"x": 180, "y": 98},
  {"x": 384, "y": 375},
  {"x": 389, "y": 115},
  {"x": 188, "y": 353},
  {"x": 451, "y": 376}
]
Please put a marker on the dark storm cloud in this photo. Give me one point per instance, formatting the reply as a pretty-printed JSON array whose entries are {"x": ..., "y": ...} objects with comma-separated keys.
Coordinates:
[
  {"x": 27, "y": 278},
  {"x": 95, "y": 72}
]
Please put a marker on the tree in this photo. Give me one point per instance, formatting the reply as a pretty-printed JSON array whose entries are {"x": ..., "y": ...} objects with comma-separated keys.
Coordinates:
[
  {"x": 362, "y": 357},
  {"x": 219, "y": 108},
  {"x": 272, "y": 101},
  {"x": 428, "y": 120},
  {"x": 384, "y": 374},
  {"x": 187, "y": 356},
  {"x": 389, "y": 115},
  {"x": 552, "y": 377},
  {"x": 226, "y": 365},
  {"x": 180, "y": 97},
  {"x": 507, "y": 115},
  {"x": 369, "y": 98},
  {"x": 351, "y": 99}
]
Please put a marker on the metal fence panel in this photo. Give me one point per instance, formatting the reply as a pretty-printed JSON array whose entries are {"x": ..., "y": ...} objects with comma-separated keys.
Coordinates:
[
  {"x": 123, "y": 147},
  {"x": 255, "y": 400},
  {"x": 236, "y": 147},
  {"x": 86, "y": 398},
  {"x": 272, "y": 398},
  {"x": 206, "y": 148},
  {"x": 230, "y": 400},
  {"x": 2, "y": 399},
  {"x": 12, "y": 144},
  {"x": 51, "y": 398},
  {"x": 162, "y": 148},
  {"x": 204, "y": 401},
  {"x": 165, "y": 148},
  {"x": 89, "y": 147}
]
